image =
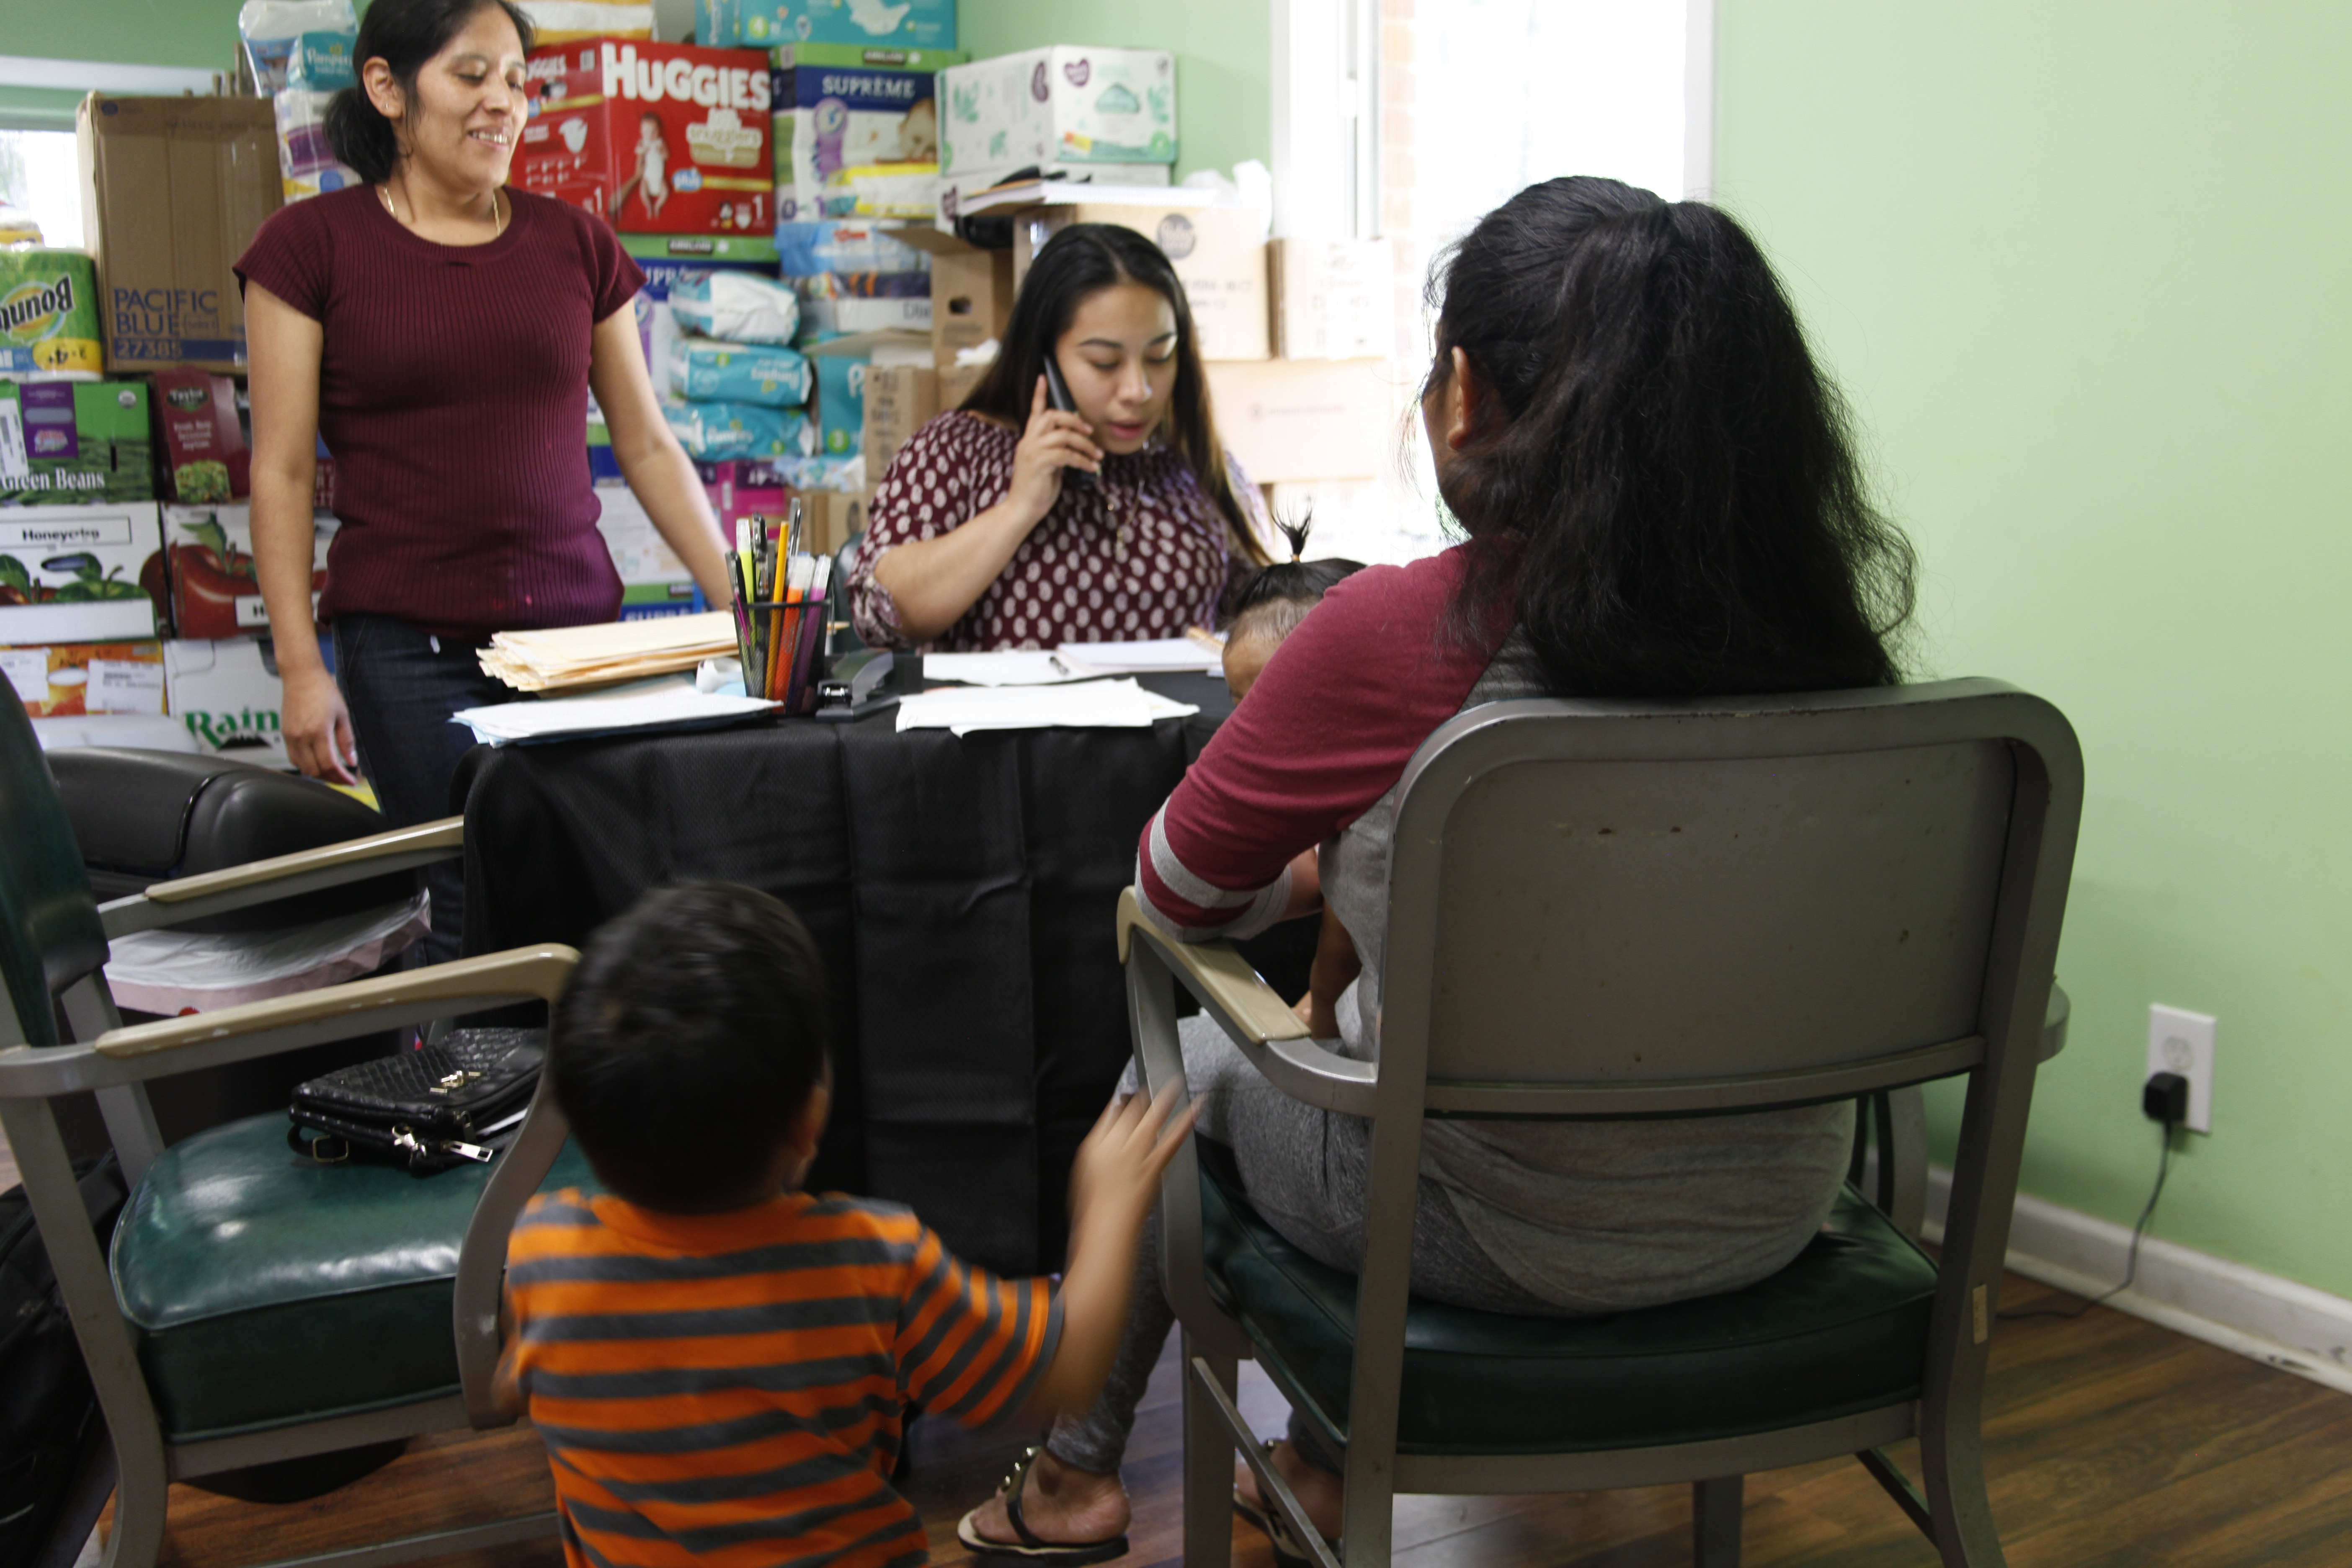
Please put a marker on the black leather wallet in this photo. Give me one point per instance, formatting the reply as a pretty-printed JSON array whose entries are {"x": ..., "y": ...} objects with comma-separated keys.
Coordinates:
[{"x": 451, "y": 1102}]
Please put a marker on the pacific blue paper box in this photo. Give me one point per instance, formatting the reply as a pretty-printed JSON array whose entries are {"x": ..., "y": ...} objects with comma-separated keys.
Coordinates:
[{"x": 173, "y": 189}]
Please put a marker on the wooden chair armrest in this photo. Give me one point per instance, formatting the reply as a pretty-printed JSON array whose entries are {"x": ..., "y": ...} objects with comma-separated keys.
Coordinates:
[
  {"x": 1218, "y": 972},
  {"x": 183, "y": 898}
]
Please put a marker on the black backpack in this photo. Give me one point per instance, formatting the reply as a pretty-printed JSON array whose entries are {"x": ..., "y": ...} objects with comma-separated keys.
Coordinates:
[{"x": 47, "y": 1409}]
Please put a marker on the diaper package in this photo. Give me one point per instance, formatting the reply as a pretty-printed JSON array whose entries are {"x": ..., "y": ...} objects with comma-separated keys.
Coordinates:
[
  {"x": 809, "y": 250},
  {"x": 736, "y": 308},
  {"x": 713, "y": 432},
  {"x": 298, "y": 43},
  {"x": 306, "y": 164},
  {"x": 706, "y": 372},
  {"x": 568, "y": 21}
]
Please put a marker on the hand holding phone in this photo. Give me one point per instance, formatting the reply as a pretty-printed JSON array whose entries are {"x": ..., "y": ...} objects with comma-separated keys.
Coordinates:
[{"x": 1057, "y": 395}]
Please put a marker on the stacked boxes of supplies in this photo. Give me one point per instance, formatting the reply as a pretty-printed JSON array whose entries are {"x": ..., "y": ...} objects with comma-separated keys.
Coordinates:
[
  {"x": 864, "y": 297},
  {"x": 299, "y": 52},
  {"x": 857, "y": 130},
  {"x": 653, "y": 138},
  {"x": 1089, "y": 116}
]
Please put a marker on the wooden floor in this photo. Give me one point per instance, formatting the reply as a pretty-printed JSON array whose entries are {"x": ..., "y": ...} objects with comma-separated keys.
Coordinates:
[{"x": 2111, "y": 1443}]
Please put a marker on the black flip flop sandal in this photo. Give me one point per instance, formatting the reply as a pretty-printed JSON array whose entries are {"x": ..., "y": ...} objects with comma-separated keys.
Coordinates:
[
  {"x": 1031, "y": 1548},
  {"x": 1288, "y": 1552}
]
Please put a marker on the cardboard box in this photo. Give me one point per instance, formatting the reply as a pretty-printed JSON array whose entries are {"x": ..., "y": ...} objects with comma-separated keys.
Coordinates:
[
  {"x": 172, "y": 190},
  {"x": 829, "y": 519},
  {"x": 961, "y": 190},
  {"x": 764, "y": 24},
  {"x": 1068, "y": 104},
  {"x": 49, "y": 311},
  {"x": 206, "y": 459},
  {"x": 69, "y": 678},
  {"x": 1333, "y": 299},
  {"x": 1219, "y": 255},
  {"x": 226, "y": 693},
  {"x": 899, "y": 400},
  {"x": 92, "y": 572},
  {"x": 850, "y": 136},
  {"x": 971, "y": 295},
  {"x": 955, "y": 385},
  {"x": 853, "y": 315},
  {"x": 653, "y": 137},
  {"x": 1307, "y": 419},
  {"x": 215, "y": 593},
  {"x": 74, "y": 441}
]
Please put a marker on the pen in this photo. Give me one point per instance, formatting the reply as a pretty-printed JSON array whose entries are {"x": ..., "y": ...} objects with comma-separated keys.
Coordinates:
[{"x": 1056, "y": 660}]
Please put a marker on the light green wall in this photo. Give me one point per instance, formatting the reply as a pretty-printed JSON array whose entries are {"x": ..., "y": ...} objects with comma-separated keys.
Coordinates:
[
  {"x": 2086, "y": 271},
  {"x": 1222, "y": 83},
  {"x": 201, "y": 34}
]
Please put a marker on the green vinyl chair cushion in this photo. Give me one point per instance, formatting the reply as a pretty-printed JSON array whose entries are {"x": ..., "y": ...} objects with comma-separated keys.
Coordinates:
[
  {"x": 1842, "y": 1330},
  {"x": 269, "y": 1290}
]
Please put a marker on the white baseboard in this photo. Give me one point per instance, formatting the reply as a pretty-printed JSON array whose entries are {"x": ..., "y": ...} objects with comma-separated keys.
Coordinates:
[{"x": 2291, "y": 1326}]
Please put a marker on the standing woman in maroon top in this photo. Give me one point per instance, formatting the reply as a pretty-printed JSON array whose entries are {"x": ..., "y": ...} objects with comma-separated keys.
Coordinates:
[
  {"x": 979, "y": 537},
  {"x": 442, "y": 334}
]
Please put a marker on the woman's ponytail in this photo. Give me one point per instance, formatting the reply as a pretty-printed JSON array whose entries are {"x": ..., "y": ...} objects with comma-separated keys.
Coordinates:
[{"x": 363, "y": 140}]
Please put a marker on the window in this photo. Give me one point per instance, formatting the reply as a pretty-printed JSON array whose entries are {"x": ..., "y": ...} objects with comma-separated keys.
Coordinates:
[
  {"x": 39, "y": 177},
  {"x": 1460, "y": 104}
]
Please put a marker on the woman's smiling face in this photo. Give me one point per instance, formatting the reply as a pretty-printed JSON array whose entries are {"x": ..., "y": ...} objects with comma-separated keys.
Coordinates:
[
  {"x": 461, "y": 121},
  {"x": 1119, "y": 359}
]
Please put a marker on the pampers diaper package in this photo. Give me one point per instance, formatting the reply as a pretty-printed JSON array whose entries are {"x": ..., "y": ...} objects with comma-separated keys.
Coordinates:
[
  {"x": 712, "y": 432},
  {"x": 1065, "y": 104},
  {"x": 298, "y": 43},
  {"x": 764, "y": 24},
  {"x": 736, "y": 307},
  {"x": 49, "y": 311},
  {"x": 652, "y": 138},
  {"x": 709, "y": 372}
]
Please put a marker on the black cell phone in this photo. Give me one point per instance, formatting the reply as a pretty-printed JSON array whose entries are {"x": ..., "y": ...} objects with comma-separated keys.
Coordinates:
[{"x": 1057, "y": 395}]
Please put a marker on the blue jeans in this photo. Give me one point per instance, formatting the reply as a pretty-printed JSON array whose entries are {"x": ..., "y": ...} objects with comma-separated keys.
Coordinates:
[{"x": 401, "y": 685}]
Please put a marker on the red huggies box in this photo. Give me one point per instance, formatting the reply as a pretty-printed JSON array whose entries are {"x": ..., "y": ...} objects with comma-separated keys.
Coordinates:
[{"x": 653, "y": 137}]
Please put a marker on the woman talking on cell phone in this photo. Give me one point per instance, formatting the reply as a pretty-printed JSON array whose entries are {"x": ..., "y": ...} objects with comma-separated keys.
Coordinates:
[
  {"x": 442, "y": 334},
  {"x": 983, "y": 534}
]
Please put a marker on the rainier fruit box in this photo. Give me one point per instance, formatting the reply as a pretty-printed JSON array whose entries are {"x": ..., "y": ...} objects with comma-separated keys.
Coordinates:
[{"x": 653, "y": 137}]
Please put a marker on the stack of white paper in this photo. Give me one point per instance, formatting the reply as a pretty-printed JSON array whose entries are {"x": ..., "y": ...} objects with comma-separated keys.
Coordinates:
[
  {"x": 594, "y": 656},
  {"x": 669, "y": 704},
  {"x": 1144, "y": 658},
  {"x": 1094, "y": 705},
  {"x": 1009, "y": 667}
]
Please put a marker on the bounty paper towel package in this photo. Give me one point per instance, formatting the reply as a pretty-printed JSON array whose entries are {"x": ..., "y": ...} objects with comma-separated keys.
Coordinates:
[
  {"x": 1067, "y": 104},
  {"x": 709, "y": 371},
  {"x": 764, "y": 24},
  {"x": 49, "y": 311},
  {"x": 652, "y": 138}
]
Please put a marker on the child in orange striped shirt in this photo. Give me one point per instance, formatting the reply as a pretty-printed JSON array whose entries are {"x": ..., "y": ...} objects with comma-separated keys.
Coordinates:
[{"x": 718, "y": 1363}]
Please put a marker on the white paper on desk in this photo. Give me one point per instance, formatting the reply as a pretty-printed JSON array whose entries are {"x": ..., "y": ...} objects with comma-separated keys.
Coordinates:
[
  {"x": 1094, "y": 705},
  {"x": 653, "y": 704},
  {"x": 1009, "y": 667},
  {"x": 1144, "y": 658}
]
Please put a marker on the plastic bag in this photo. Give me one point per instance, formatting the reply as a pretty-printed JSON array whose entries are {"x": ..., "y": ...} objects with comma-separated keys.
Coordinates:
[
  {"x": 736, "y": 308},
  {"x": 712, "y": 432},
  {"x": 299, "y": 42},
  {"x": 736, "y": 372}
]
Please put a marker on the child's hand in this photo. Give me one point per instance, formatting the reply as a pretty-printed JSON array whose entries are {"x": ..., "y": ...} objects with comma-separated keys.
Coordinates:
[{"x": 1114, "y": 1181}]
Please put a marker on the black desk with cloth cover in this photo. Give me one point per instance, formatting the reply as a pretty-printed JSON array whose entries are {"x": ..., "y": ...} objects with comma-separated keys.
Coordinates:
[{"x": 963, "y": 891}]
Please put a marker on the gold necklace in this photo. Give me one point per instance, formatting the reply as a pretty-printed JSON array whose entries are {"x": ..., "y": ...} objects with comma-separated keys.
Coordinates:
[{"x": 498, "y": 212}]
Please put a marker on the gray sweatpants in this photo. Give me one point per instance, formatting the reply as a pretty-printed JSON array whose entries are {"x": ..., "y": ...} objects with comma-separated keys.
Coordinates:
[{"x": 1304, "y": 1171}]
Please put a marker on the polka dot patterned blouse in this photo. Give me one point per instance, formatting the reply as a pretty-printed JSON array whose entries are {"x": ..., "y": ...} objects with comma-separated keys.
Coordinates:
[{"x": 1142, "y": 554}]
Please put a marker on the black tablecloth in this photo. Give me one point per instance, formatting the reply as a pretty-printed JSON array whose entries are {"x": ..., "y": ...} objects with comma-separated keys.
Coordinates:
[{"x": 962, "y": 891}]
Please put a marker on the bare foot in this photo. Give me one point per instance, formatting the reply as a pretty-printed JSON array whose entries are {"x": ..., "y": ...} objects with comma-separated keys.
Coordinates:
[
  {"x": 1067, "y": 1507},
  {"x": 1318, "y": 1490}
]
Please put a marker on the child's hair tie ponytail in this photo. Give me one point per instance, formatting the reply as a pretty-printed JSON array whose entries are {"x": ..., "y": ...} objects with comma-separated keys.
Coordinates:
[{"x": 1295, "y": 533}]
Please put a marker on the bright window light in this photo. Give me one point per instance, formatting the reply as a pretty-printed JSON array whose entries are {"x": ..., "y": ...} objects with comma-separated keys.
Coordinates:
[{"x": 38, "y": 175}]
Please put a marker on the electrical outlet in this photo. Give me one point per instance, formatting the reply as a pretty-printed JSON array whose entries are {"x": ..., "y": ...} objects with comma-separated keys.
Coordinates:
[{"x": 2182, "y": 1042}]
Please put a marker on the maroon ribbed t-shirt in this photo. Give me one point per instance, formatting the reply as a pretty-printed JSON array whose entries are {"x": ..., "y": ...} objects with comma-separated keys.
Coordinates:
[{"x": 453, "y": 391}]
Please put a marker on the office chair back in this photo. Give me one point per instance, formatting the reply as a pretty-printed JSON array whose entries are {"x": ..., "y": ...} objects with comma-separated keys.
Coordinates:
[
  {"x": 49, "y": 930},
  {"x": 1603, "y": 910}
]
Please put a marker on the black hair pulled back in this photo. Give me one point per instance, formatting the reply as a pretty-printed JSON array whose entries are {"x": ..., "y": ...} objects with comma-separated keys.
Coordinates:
[
  {"x": 1292, "y": 586},
  {"x": 1672, "y": 474},
  {"x": 404, "y": 35},
  {"x": 1080, "y": 261}
]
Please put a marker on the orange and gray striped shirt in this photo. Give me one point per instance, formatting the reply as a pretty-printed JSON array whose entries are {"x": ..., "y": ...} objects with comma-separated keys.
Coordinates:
[{"x": 732, "y": 1388}]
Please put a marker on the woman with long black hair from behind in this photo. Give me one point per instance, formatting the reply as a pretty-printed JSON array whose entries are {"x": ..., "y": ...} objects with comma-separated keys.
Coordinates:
[
  {"x": 979, "y": 537},
  {"x": 1661, "y": 501},
  {"x": 441, "y": 333}
]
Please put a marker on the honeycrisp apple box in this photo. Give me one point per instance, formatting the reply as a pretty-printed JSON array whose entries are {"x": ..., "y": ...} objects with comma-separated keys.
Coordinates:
[
  {"x": 89, "y": 572},
  {"x": 653, "y": 137}
]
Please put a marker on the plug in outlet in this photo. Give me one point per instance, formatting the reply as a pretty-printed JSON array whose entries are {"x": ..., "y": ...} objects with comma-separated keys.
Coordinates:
[{"x": 2182, "y": 1042}]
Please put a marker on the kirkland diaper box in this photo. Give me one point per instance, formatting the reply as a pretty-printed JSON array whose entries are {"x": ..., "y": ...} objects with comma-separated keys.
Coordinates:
[
  {"x": 49, "y": 311},
  {"x": 86, "y": 572},
  {"x": 1065, "y": 104},
  {"x": 172, "y": 190},
  {"x": 214, "y": 590},
  {"x": 74, "y": 441},
  {"x": 855, "y": 139},
  {"x": 653, "y": 137},
  {"x": 72, "y": 679},
  {"x": 764, "y": 24}
]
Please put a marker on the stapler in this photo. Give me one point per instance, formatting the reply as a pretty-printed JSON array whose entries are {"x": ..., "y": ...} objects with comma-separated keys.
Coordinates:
[{"x": 870, "y": 681}]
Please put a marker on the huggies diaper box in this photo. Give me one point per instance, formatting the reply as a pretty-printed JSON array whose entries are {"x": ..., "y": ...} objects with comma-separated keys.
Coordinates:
[{"x": 653, "y": 137}]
